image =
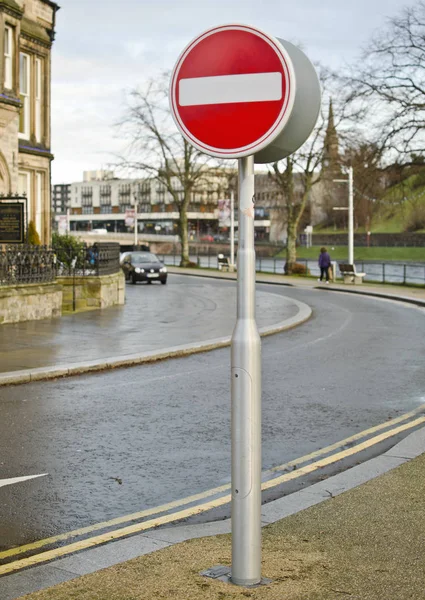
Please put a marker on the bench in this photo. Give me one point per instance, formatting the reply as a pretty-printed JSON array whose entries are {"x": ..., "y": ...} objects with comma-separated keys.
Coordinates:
[
  {"x": 350, "y": 275},
  {"x": 223, "y": 263}
]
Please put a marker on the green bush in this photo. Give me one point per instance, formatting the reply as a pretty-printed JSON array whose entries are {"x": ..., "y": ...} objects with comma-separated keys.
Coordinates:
[
  {"x": 298, "y": 269},
  {"x": 32, "y": 236},
  {"x": 67, "y": 247}
]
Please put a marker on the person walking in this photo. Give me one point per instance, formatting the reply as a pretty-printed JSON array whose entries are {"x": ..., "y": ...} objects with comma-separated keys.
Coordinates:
[{"x": 324, "y": 264}]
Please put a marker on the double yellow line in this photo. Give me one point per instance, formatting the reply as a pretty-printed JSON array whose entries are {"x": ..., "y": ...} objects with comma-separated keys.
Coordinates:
[{"x": 205, "y": 506}]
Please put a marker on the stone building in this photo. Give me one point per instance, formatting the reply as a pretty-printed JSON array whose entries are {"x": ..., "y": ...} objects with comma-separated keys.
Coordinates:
[{"x": 26, "y": 36}]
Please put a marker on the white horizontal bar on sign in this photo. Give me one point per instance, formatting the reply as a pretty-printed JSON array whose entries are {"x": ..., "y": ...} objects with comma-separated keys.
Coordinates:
[{"x": 227, "y": 89}]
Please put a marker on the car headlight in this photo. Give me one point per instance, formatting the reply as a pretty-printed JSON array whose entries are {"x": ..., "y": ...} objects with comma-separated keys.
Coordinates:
[
  {"x": 137, "y": 270},
  {"x": 163, "y": 269}
]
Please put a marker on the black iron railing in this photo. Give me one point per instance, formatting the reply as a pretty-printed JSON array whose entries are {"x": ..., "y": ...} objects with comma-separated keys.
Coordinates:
[
  {"x": 390, "y": 272},
  {"x": 108, "y": 258},
  {"x": 101, "y": 258},
  {"x": 23, "y": 264},
  {"x": 27, "y": 264}
]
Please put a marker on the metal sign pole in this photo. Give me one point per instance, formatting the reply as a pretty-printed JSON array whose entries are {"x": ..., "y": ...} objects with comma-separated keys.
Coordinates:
[
  {"x": 246, "y": 399},
  {"x": 136, "y": 224},
  {"x": 232, "y": 228},
  {"x": 350, "y": 217}
]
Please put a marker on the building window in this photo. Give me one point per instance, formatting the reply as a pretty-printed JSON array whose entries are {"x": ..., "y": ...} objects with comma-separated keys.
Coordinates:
[
  {"x": 8, "y": 57},
  {"x": 86, "y": 196},
  {"x": 24, "y": 88},
  {"x": 105, "y": 195},
  {"x": 24, "y": 189},
  {"x": 87, "y": 210},
  {"x": 105, "y": 209},
  {"x": 145, "y": 207},
  {"x": 38, "y": 99},
  {"x": 39, "y": 203}
]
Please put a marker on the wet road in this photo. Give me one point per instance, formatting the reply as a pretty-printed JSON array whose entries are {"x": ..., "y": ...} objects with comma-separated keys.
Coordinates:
[
  {"x": 129, "y": 439},
  {"x": 154, "y": 317}
]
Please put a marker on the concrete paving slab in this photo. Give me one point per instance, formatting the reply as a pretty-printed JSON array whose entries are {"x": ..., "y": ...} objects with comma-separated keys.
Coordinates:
[
  {"x": 289, "y": 505},
  {"x": 16, "y": 585},
  {"x": 354, "y": 477},
  {"x": 102, "y": 557},
  {"x": 410, "y": 447},
  {"x": 175, "y": 535}
]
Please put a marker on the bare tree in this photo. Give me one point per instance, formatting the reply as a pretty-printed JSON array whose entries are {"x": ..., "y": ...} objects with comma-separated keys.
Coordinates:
[
  {"x": 159, "y": 151},
  {"x": 391, "y": 80},
  {"x": 369, "y": 181},
  {"x": 295, "y": 189},
  {"x": 296, "y": 176}
]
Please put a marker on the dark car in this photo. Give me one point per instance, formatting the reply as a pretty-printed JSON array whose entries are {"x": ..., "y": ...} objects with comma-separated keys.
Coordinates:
[
  {"x": 143, "y": 266},
  {"x": 220, "y": 237}
]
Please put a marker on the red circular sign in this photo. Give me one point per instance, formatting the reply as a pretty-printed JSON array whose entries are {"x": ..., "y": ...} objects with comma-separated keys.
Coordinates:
[{"x": 232, "y": 91}]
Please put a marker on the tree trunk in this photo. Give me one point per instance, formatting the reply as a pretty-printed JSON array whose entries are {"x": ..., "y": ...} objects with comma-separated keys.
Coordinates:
[
  {"x": 184, "y": 238},
  {"x": 291, "y": 248}
]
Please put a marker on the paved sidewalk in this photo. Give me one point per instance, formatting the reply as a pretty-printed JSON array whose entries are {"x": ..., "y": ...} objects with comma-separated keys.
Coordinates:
[
  {"x": 156, "y": 321},
  {"x": 406, "y": 293},
  {"x": 361, "y": 535},
  {"x": 145, "y": 329}
]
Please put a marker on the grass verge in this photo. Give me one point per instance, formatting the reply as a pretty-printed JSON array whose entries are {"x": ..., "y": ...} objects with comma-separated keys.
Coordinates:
[{"x": 379, "y": 254}]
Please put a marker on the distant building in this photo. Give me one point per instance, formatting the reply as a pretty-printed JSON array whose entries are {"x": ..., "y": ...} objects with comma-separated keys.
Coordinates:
[
  {"x": 99, "y": 175},
  {"x": 26, "y": 36},
  {"x": 99, "y": 202},
  {"x": 61, "y": 198}
]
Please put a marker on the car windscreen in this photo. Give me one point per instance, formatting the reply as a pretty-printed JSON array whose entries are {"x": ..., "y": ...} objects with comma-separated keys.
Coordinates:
[{"x": 144, "y": 258}]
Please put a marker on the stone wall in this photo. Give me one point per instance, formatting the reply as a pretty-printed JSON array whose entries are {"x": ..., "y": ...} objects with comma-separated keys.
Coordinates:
[
  {"x": 92, "y": 292},
  {"x": 30, "y": 302}
]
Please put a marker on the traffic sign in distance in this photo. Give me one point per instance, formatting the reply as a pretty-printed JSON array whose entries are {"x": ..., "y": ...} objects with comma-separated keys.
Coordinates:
[{"x": 234, "y": 90}]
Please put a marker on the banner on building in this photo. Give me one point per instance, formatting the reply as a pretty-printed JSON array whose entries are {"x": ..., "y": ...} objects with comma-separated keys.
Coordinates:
[
  {"x": 224, "y": 212},
  {"x": 63, "y": 224},
  {"x": 12, "y": 227},
  {"x": 129, "y": 217}
]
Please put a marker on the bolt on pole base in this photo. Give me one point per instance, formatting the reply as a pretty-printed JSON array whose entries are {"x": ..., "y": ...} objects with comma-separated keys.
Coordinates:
[{"x": 224, "y": 574}]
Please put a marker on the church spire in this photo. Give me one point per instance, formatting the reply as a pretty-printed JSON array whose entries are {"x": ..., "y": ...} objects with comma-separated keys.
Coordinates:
[{"x": 331, "y": 159}]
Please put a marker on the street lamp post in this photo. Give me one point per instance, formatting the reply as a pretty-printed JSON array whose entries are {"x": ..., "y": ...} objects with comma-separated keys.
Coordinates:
[
  {"x": 136, "y": 225},
  {"x": 350, "y": 213},
  {"x": 232, "y": 228}
]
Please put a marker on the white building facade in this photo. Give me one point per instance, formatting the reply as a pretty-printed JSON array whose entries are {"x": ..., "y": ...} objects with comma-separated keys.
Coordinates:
[{"x": 102, "y": 201}]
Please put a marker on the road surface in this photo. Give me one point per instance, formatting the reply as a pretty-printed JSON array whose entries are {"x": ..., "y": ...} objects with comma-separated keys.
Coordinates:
[{"x": 125, "y": 440}]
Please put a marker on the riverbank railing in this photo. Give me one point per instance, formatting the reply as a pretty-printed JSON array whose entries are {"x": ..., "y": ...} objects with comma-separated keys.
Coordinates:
[{"x": 376, "y": 272}]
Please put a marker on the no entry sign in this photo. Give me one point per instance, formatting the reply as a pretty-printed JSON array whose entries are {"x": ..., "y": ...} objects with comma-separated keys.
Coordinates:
[
  {"x": 237, "y": 92},
  {"x": 232, "y": 91}
]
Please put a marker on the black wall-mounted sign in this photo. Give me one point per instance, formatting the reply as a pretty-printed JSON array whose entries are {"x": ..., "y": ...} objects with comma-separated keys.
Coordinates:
[{"x": 12, "y": 223}]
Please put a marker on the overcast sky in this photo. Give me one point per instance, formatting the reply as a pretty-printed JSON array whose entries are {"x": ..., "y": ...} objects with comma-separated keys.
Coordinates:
[{"x": 105, "y": 47}]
